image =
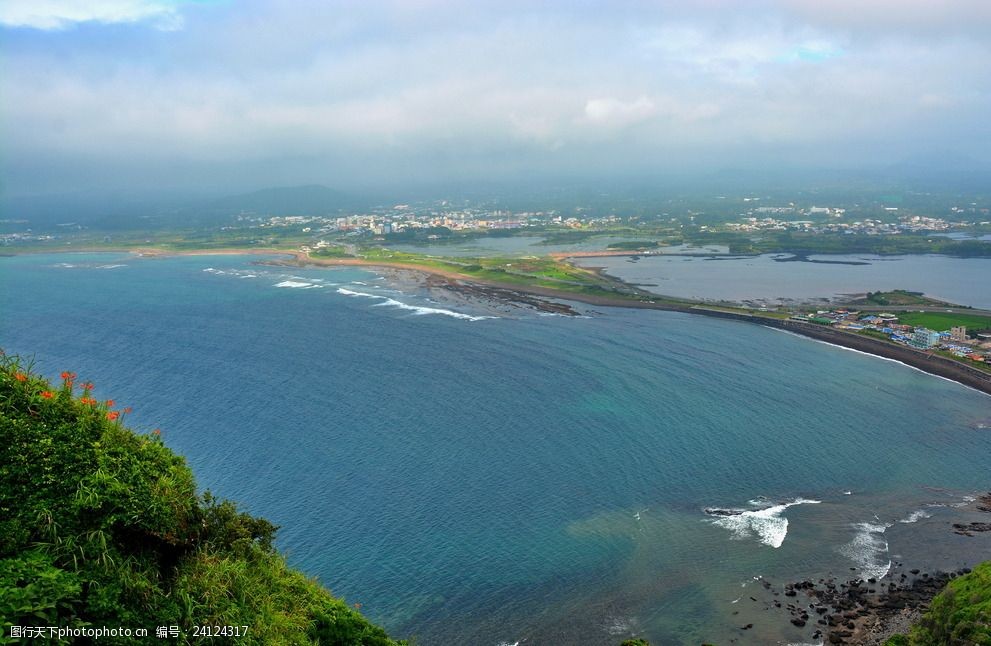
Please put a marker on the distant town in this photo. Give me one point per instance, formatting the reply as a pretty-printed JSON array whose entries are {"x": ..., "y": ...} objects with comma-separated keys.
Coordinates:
[{"x": 749, "y": 223}]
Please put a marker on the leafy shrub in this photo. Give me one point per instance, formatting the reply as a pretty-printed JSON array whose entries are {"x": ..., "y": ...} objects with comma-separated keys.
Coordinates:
[
  {"x": 102, "y": 526},
  {"x": 959, "y": 616}
]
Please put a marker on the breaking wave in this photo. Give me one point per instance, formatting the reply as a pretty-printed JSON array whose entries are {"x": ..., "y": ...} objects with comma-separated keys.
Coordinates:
[
  {"x": 869, "y": 550},
  {"x": 416, "y": 309},
  {"x": 768, "y": 524}
]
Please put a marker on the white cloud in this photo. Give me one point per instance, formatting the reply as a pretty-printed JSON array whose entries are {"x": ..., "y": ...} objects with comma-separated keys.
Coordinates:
[
  {"x": 614, "y": 113},
  {"x": 365, "y": 94},
  {"x": 61, "y": 14}
]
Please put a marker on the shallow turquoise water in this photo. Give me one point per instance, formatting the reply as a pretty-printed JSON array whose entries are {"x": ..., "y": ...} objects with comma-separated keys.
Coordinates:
[{"x": 535, "y": 479}]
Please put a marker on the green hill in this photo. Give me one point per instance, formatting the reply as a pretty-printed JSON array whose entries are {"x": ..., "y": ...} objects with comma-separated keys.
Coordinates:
[
  {"x": 960, "y": 615},
  {"x": 100, "y": 526}
]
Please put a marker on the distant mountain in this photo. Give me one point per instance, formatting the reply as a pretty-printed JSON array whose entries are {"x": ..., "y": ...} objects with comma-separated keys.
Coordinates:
[{"x": 312, "y": 199}]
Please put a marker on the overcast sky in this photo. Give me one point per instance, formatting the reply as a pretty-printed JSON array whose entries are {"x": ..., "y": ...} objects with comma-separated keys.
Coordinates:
[{"x": 230, "y": 94}]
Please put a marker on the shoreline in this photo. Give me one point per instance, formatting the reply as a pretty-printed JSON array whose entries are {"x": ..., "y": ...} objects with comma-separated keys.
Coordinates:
[
  {"x": 926, "y": 362},
  {"x": 929, "y": 363},
  {"x": 878, "y": 617}
]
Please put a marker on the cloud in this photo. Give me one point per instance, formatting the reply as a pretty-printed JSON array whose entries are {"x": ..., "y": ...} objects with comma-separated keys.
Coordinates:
[
  {"x": 281, "y": 87},
  {"x": 51, "y": 15},
  {"x": 614, "y": 113}
]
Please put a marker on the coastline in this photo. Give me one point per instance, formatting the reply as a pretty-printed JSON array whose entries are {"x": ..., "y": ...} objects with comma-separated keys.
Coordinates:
[
  {"x": 415, "y": 276},
  {"x": 926, "y": 362},
  {"x": 930, "y": 363}
]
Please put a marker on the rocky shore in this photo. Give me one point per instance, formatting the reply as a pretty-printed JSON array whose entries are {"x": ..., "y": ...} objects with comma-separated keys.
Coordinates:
[
  {"x": 859, "y": 611},
  {"x": 840, "y": 610}
]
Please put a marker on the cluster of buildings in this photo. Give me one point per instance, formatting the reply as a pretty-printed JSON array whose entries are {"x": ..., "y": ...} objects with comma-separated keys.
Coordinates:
[
  {"x": 15, "y": 238},
  {"x": 403, "y": 217},
  {"x": 956, "y": 340},
  {"x": 868, "y": 226}
]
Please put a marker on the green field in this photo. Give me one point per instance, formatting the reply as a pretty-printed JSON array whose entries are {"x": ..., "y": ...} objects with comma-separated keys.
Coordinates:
[
  {"x": 524, "y": 271},
  {"x": 941, "y": 321}
]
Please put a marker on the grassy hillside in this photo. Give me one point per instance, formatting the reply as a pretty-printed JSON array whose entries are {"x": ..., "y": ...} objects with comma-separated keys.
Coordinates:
[
  {"x": 100, "y": 526},
  {"x": 958, "y": 616}
]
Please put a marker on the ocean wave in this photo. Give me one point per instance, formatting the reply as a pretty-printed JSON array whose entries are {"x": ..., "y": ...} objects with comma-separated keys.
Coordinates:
[
  {"x": 295, "y": 284},
  {"x": 416, "y": 309},
  {"x": 768, "y": 524},
  {"x": 619, "y": 625},
  {"x": 915, "y": 516},
  {"x": 869, "y": 550},
  {"x": 109, "y": 266}
]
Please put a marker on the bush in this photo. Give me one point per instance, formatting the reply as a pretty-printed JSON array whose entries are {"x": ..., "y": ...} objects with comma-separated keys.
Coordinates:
[
  {"x": 959, "y": 616},
  {"x": 102, "y": 526}
]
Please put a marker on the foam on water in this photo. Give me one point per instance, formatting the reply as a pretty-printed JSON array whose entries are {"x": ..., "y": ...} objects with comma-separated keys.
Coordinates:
[
  {"x": 768, "y": 524},
  {"x": 916, "y": 516},
  {"x": 416, "y": 309},
  {"x": 869, "y": 550},
  {"x": 295, "y": 284}
]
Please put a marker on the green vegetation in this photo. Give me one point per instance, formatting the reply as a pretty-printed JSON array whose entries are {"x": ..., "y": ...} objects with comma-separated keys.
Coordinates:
[
  {"x": 898, "y": 297},
  {"x": 958, "y": 616},
  {"x": 100, "y": 526},
  {"x": 569, "y": 236},
  {"x": 633, "y": 245},
  {"x": 331, "y": 252},
  {"x": 941, "y": 321},
  {"x": 527, "y": 271}
]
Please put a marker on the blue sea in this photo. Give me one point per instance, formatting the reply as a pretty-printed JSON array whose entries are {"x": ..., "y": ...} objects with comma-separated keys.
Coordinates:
[{"x": 471, "y": 477}]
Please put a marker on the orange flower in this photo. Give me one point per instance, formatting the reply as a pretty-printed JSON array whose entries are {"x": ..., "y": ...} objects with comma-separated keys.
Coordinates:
[
  {"x": 112, "y": 415},
  {"x": 109, "y": 403},
  {"x": 69, "y": 376},
  {"x": 157, "y": 432},
  {"x": 88, "y": 385},
  {"x": 20, "y": 376},
  {"x": 128, "y": 409},
  {"x": 47, "y": 394}
]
